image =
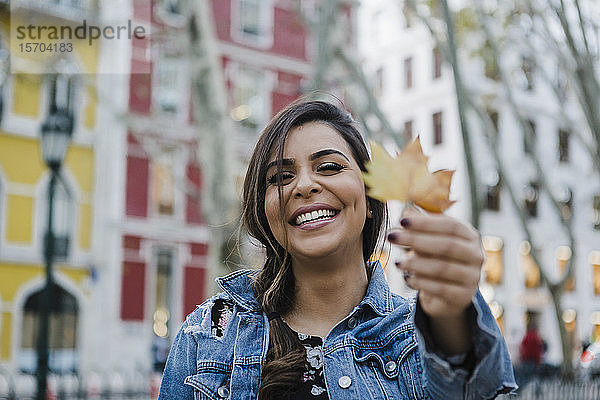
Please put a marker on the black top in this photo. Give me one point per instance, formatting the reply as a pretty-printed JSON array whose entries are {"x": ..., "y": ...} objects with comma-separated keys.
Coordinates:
[
  {"x": 312, "y": 386},
  {"x": 313, "y": 381}
]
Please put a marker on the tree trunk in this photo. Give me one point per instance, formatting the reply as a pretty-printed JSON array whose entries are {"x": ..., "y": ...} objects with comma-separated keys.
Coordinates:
[
  {"x": 219, "y": 202},
  {"x": 568, "y": 372}
]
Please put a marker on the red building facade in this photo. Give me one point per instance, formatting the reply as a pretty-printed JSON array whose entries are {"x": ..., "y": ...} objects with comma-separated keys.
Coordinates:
[{"x": 264, "y": 51}]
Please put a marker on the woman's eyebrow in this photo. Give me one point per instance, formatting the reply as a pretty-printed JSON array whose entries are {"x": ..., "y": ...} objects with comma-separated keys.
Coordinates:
[
  {"x": 285, "y": 162},
  {"x": 326, "y": 152},
  {"x": 321, "y": 153}
]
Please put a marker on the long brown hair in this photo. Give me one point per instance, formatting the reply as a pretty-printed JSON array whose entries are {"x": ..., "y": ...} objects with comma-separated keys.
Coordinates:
[{"x": 274, "y": 285}]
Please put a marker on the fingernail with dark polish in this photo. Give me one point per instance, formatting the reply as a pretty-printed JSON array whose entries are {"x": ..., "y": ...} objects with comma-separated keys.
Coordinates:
[
  {"x": 407, "y": 275},
  {"x": 398, "y": 264},
  {"x": 405, "y": 222},
  {"x": 392, "y": 236}
]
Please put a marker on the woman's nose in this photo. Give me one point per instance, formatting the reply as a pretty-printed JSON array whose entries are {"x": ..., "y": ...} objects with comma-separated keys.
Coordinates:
[{"x": 306, "y": 186}]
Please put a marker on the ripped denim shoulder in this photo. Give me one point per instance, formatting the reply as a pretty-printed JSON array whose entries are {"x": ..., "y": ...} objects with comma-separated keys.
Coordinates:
[{"x": 211, "y": 318}]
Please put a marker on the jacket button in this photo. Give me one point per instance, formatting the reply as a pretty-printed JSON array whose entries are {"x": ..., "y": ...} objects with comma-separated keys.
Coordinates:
[
  {"x": 390, "y": 366},
  {"x": 345, "y": 382},
  {"x": 352, "y": 322},
  {"x": 223, "y": 392}
]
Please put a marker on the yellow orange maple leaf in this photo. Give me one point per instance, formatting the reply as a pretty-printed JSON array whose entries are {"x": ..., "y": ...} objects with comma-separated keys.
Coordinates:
[{"x": 407, "y": 178}]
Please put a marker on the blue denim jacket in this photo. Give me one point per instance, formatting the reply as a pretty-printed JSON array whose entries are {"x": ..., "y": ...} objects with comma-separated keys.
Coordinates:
[{"x": 381, "y": 350}]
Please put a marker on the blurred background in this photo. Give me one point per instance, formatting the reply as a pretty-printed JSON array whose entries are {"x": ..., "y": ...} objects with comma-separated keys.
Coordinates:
[{"x": 121, "y": 166}]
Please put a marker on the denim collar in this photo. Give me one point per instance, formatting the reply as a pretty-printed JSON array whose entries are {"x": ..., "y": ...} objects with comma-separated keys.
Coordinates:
[
  {"x": 378, "y": 297},
  {"x": 238, "y": 285}
]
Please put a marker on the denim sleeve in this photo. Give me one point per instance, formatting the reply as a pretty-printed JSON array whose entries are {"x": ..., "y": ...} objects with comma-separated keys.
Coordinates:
[
  {"x": 484, "y": 373},
  {"x": 180, "y": 364}
]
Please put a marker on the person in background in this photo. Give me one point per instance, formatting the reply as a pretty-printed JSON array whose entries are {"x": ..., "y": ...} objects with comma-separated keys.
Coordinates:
[{"x": 531, "y": 351}]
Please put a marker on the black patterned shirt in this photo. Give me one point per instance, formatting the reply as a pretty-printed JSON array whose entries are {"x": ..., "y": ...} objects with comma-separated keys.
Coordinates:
[{"x": 312, "y": 386}]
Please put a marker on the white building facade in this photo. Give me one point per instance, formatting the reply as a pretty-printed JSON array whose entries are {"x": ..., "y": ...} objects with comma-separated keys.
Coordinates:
[{"x": 416, "y": 91}]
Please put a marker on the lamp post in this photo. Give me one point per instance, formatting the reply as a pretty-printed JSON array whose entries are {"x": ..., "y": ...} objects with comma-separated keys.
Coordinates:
[{"x": 56, "y": 135}]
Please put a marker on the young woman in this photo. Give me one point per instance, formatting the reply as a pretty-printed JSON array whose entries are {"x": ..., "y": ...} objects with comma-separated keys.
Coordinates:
[{"x": 318, "y": 320}]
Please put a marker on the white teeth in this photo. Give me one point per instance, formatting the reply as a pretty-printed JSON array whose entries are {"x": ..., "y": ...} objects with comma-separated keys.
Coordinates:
[{"x": 309, "y": 216}]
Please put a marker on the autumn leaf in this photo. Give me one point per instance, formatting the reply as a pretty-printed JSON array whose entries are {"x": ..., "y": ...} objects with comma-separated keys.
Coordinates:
[{"x": 407, "y": 178}]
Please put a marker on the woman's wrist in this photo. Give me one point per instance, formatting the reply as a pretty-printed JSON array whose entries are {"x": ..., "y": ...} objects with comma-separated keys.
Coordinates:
[{"x": 452, "y": 335}]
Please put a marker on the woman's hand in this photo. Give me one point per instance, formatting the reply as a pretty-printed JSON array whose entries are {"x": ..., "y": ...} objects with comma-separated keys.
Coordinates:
[{"x": 444, "y": 265}]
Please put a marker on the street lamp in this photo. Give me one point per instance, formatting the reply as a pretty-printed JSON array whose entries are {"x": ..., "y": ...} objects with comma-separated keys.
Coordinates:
[{"x": 56, "y": 135}]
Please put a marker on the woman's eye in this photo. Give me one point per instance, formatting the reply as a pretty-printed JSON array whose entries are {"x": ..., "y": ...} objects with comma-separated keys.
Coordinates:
[
  {"x": 330, "y": 166},
  {"x": 283, "y": 177}
]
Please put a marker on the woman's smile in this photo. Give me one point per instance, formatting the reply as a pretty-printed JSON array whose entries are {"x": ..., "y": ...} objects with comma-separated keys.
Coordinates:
[{"x": 313, "y": 216}]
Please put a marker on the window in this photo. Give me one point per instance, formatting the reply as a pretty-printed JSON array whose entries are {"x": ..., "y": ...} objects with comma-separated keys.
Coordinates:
[
  {"x": 563, "y": 255},
  {"x": 437, "y": 63},
  {"x": 595, "y": 320},
  {"x": 253, "y": 21},
  {"x": 563, "y": 145},
  {"x": 169, "y": 93},
  {"x": 63, "y": 323},
  {"x": 437, "y": 128},
  {"x": 492, "y": 200},
  {"x": 171, "y": 12},
  {"x": 171, "y": 6},
  {"x": 408, "y": 131},
  {"x": 163, "y": 306},
  {"x": 561, "y": 85},
  {"x": 163, "y": 292},
  {"x": 528, "y": 266},
  {"x": 532, "y": 193},
  {"x": 596, "y": 212},
  {"x": 494, "y": 117},
  {"x": 491, "y": 68},
  {"x": 250, "y": 17},
  {"x": 528, "y": 67},
  {"x": 565, "y": 199},
  {"x": 529, "y": 137},
  {"x": 569, "y": 319},
  {"x": 594, "y": 260},
  {"x": 163, "y": 183},
  {"x": 498, "y": 313},
  {"x": 248, "y": 104},
  {"x": 493, "y": 266},
  {"x": 408, "y": 73},
  {"x": 378, "y": 89}
]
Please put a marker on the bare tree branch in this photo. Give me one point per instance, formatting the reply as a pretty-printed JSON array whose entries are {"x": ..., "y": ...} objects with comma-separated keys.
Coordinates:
[{"x": 460, "y": 95}]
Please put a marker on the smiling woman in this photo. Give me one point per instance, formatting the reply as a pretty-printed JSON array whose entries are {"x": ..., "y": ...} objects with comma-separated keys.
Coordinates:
[{"x": 318, "y": 320}]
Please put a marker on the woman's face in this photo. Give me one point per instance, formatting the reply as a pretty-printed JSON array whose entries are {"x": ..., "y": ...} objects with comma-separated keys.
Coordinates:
[{"x": 323, "y": 194}]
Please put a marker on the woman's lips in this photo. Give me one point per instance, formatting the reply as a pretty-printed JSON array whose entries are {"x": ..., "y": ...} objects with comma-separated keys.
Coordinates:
[{"x": 309, "y": 226}]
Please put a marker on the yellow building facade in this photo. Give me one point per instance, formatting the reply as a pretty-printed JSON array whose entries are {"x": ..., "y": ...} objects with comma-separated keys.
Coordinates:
[{"x": 24, "y": 204}]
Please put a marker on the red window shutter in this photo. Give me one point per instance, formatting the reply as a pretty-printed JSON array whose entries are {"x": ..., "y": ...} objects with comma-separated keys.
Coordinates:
[
  {"x": 280, "y": 100},
  {"x": 140, "y": 87},
  {"x": 199, "y": 249},
  {"x": 133, "y": 282},
  {"x": 192, "y": 212},
  {"x": 193, "y": 290},
  {"x": 137, "y": 187},
  {"x": 132, "y": 242}
]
